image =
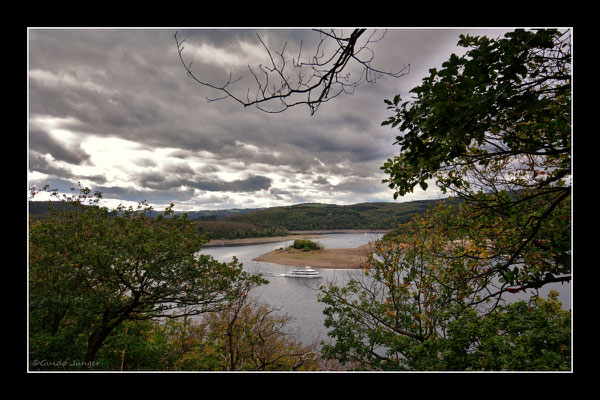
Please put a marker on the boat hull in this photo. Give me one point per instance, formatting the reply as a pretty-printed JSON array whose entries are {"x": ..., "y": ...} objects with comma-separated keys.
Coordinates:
[{"x": 302, "y": 276}]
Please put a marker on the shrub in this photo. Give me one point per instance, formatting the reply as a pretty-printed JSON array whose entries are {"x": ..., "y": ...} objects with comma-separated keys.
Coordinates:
[{"x": 309, "y": 244}]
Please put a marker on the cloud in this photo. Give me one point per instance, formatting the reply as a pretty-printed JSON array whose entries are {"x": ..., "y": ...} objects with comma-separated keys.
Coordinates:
[
  {"x": 250, "y": 184},
  {"x": 156, "y": 180},
  {"x": 320, "y": 180},
  {"x": 42, "y": 165},
  {"x": 241, "y": 54},
  {"x": 161, "y": 197},
  {"x": 116, "y": 107},
  {"x": 44, "y": 143}
]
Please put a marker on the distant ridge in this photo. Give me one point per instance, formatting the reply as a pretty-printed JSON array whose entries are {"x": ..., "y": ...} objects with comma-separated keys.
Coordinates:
[
  {"x": 316, "y": 216},
  {"x": 279, "y": 221}
]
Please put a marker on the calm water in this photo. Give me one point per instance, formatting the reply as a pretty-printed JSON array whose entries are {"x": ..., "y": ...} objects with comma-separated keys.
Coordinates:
[
  {"x": 298, "y": 297},
  {"x": 294, "y": 296}
]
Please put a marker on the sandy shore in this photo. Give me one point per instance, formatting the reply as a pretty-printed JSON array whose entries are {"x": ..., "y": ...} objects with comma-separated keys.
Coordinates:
[
  {"x": 328, "y": 258},
  {"x": 249, "y": 241}
]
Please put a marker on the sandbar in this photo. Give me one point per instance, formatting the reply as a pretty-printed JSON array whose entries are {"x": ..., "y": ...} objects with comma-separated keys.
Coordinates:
[{"x": 353, "y": 258}]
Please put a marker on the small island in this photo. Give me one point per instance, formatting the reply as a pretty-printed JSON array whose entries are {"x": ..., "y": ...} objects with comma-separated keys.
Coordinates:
[{"x": 307, "y": 253}]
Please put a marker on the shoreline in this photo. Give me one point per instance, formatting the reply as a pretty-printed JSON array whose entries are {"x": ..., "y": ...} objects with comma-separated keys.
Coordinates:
[
  {"x": 292, "y": 236},
  {"x": 332, "y": 231},
  {"x": 258, "y": 240}
]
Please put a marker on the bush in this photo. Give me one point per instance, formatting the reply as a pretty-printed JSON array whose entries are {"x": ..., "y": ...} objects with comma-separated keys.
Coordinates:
[{"x": 306, "y": 244}]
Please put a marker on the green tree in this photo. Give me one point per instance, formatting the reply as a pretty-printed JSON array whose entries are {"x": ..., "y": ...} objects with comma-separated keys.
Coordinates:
[
  {"x": 417, "y": 308},
  {"x": 92, "y": 269},
  {"x": 532, "y": 336},
  {"x": 306, "y": 244},
  {"x": 134, "y": 345},
  {"x": 494, "y": 128}
]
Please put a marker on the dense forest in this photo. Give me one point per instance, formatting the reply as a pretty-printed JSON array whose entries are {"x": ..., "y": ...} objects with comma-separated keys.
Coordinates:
[
  {"x": 278, "y": 221},
  {"x": 314, "y": 216}
]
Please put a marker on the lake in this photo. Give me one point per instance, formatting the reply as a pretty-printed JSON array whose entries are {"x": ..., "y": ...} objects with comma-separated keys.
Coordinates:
[{"x": 298, "y": 297}]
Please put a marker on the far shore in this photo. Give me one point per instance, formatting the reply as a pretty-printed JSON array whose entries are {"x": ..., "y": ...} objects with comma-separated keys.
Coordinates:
[
  {"x": 258, "y": 240},
  {"x": 292, "y": 236},
  {"x": 332, "y": 231}
]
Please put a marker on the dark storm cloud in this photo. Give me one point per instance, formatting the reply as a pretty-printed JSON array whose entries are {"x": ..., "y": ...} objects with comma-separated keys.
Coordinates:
[
  {"x": 250, "y": 184},
  {"x": 93, "y": 111},
  {"x": 143, "y": 95},
  {"x": 130, "y": 84},
  {"x": 156, "y": 180}
]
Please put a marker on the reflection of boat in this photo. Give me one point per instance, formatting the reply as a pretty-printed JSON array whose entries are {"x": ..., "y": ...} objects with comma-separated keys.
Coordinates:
[{"x": 306, "y": 272}]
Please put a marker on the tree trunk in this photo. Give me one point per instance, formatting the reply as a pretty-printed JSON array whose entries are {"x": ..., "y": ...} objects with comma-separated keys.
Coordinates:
[{"x": 95, "y": 342}]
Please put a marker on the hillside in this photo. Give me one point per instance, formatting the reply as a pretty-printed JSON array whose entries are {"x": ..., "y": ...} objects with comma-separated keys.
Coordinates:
[
  {"x": 313, "y": 216},
  {"x": 278, "y": 221}
]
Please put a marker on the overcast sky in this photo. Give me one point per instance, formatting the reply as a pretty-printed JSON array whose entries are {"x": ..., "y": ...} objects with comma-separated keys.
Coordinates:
[{"x": 115, "y": 110}]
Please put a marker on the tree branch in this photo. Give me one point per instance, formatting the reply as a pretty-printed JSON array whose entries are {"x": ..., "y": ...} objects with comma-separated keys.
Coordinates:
[{"x": 325, "y": 75}]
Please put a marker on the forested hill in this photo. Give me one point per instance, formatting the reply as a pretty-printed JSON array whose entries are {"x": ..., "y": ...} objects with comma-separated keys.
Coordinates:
[
  {"x": 313, "y": 216},
  {"x": 278, "y": 221}
]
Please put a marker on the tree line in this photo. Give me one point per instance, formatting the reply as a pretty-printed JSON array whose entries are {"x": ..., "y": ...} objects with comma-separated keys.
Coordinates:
[
  {"x": 278, "y": 221},
  {"x": 380, "y": 215}
]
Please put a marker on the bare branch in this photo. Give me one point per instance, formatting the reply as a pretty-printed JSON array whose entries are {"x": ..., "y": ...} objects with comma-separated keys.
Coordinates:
[{"x": 327, "y": 75}]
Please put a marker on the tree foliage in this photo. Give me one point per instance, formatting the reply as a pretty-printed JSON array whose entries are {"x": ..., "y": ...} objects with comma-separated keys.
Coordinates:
[
  {"x": 503, "y": 109},
  {"x": 224, "y": 229},
  {"x": 493, "y": 128},
  {"x": 306, "y": 244},
  {"x": 92, "y": 269},
  {"x": 313, "y": 216},
  {"x": 418, "y": 307}
]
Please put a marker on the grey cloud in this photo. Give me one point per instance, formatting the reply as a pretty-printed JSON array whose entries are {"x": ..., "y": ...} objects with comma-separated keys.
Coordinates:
[
  {"x": 250, "y": 184},
  {"x": 320, "y": 180},
  {"x": 154, "y": 179},
  {"x": 360, "y": 185},
  {"x": 94, "y": 112},
  {"x": 38, "y": 163},
  {"x": 280, "y": 194},
  {"x": 151, "y": 196},
  {"x": 130, "y": 84},
  {"x": 158, "y": 180},
  {"x": 42, "y": 142},
  {"x": 180, "y": 168},
  {"x": 145, "y": 162}
]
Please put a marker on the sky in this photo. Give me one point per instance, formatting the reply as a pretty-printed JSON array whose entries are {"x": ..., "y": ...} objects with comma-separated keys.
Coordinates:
[{"x": 114, "y": 110}]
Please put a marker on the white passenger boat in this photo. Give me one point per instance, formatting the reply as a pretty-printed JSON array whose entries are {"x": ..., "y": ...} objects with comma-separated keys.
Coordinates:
[{"x": 306, "y": 272}]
